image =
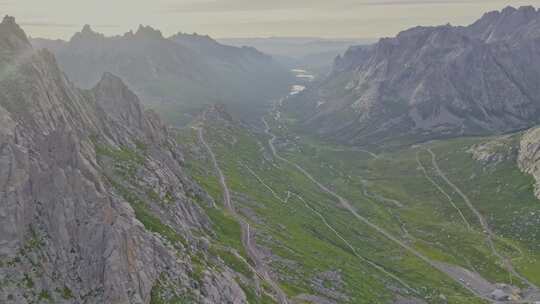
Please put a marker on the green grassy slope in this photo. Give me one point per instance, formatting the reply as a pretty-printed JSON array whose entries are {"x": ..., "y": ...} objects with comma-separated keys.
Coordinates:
[{"x": 310, "y": 235}]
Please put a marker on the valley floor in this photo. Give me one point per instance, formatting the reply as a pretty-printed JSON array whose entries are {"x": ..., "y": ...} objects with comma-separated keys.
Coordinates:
[{"x": 329, "y": 224}]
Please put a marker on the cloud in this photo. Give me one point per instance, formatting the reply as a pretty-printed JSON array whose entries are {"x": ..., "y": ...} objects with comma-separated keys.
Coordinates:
[
  {"x": 238, "y": 5},
  {"x": 264, "y": 5},
  {"x": 48, "y": 24},
  {"x": 62, "y": 25},
  {"x": 419, "y": 2},
  {"x": 343, "y": 18}
]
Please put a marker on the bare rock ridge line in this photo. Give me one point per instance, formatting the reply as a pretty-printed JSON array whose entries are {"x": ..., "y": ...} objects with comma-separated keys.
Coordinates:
[
  {"x": 490, "y": 235},
  {"x": 172, "y": 70},
  {"x": 431, "y": 82},
  {"x": 351, "y": 209},
  {"x": 246, "y": 229},
  {"x": 441, "y": 190},
  {"x": 529, "y": 156},
  {"x": 325, "y": 222},
  {"x": 76, "y": 166}
]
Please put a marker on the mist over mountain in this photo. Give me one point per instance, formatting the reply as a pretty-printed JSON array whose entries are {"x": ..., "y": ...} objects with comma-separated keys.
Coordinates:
[
  {"x": 406, "y": 173},
  {"x": 77, "y": 221},
  {"x": 432, "y": 82},
  {"x": 315, "y": 54},
  {"x": 178, "y": 76}
]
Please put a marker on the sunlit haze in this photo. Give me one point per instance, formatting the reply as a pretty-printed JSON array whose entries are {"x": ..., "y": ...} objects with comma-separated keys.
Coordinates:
[{"x": 246, "y": 18}]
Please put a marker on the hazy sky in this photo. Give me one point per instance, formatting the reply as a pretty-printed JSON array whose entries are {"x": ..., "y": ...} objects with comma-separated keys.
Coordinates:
[{"x": 246, "y": 18}]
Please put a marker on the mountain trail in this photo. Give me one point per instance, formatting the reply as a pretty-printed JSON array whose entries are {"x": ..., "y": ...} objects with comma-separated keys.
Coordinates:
[
  {"x": 325, "y": 222},
  {"x": 441, "y": 190},
  {"x": 346, "y": 204},
  {"x": 250, "y": 248},
  {"x": 490, "y": 235}
]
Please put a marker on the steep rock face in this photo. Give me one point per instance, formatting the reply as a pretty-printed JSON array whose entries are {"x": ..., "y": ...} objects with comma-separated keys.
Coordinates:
[
  {"x": 431, "y": 82},
  {"x": 77, "y": 222},
  {"x": 529, "y": 154},
  {"x": 178, "y": 75},
  {"x": 14, "y": 39},
  {"x": 246, "y": 57}
]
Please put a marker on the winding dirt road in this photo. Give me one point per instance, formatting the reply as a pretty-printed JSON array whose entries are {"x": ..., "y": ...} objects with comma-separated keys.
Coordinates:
[
  {"x": 441, "y": 190},
  {"x": 325, "y": 222},
  {"x": 250, "y": 248},
  {"x": 354, "y": 250},
  {"x": 490, "y": 235},
  {"x": 373, "y": 155},
  {"x": 346, "y": 204}
]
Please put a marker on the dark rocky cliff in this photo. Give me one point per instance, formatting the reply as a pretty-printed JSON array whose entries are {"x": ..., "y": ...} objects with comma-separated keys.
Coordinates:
[
  {"x": 95, "y": 206},
  {"x": 433, "y": 82}
]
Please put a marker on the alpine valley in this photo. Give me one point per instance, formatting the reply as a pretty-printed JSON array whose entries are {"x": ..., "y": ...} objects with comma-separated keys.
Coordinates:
[{"x": 407, "y": 174}]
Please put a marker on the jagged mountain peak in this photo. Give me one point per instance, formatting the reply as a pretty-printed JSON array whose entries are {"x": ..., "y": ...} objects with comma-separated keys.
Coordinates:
[
  {"x": 148, "y": 32},
  {"x": 12, "y": 37},
  {"x": 62, "y": 141},
  {"x": 87, "y": 29},
  {"x": 434, "y": 34},
  {"x": 9, "y": 20},
  {"x": 525, "y": 9},
  {"x": 507, "y": 24},
  {"x": 508, "y": 10},
  {"x": 194, "y": 37},
  {"x": 110, "y": 79},
  {"x": 87, "y": 34},
  {"x": 436, "y": 81},
  {"x": 163, "y": 70},
  {"x": 118, "y": 101}
]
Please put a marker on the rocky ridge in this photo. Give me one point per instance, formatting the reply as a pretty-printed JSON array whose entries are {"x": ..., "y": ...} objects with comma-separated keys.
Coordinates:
[
  {"x": 529, "y": 156},
  {"x": 96, "y": 206},
  {"x": 432, "y": 82},
  {"x": 178, "y": 75}
]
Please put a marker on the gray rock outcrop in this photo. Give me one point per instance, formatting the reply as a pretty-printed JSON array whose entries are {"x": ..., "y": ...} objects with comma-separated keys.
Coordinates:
[
  {"x": 433, "y": 82},
  {"x": 95, "y": 206},
  {"x": 182, "y": 74},
  {"x": 529, "y": 154}
]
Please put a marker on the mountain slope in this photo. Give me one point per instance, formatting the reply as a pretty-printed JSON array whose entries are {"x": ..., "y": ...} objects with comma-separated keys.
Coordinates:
[
  {"x": 96, "y": 207},
  {"x": 313, "y": 54},
  {"x": 435, "y": 223},
  {"x": 432, "y": 82},
  {"x": 177, "y": 76}
]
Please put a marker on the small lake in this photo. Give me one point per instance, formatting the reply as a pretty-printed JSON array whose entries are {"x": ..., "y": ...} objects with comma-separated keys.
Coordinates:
[{"x": 303, "y": 77}]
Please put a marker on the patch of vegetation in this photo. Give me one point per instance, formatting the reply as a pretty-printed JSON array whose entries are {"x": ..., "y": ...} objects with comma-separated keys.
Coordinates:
[
  {"x": 44, "y": 296},
  {"x": 232, "y": 261},
  {"x": 126, "y": 163},
  {"x": 390, "y": 191},
  {"x": 252, "y": 297},
  {"x": 226, "y": 229},
  {"x": 163, "y": 294},
  {"x": 28, "y": 282},
  {"x": 198, "y": 264},
  {"x": 150, "y": 222},
  {"x": 66, "y": 293}
]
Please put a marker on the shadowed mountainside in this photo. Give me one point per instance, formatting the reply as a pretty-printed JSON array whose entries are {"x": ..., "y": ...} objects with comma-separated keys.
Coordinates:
[
  {"x": 432, "y": 82},
  {"x": 178, "y": 76},
  {"x": 96, "y": 206}
]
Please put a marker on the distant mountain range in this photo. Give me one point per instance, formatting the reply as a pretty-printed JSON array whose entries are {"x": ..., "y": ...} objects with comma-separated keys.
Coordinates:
[
  {"x": 76, "y": 167},
  {"x": 432, "y": 82},
  {"x": 315, "y": 54},
  {"x": 178, "y": 75},
  {"x": 103, "y": 202}
]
